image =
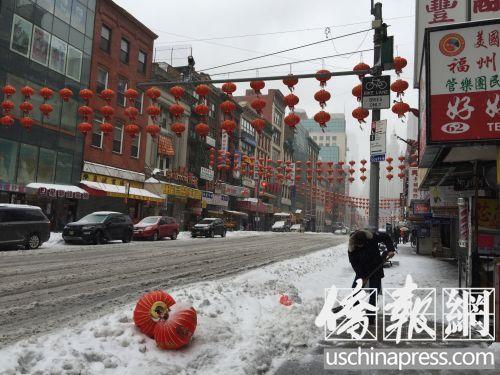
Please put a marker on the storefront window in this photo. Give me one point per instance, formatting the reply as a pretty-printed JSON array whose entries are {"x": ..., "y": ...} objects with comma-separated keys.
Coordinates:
[
  {"x": 46, "y": 4},
  {"x": 40, "y": 46},
  {"x": 58, "y": 51},
  {"x": 46, "y": 164},
  {"x": 28, "y": 156},
  {"x": 78, "y": 16},
  {"x": 8, "y": 158},
  {"x": 63, "y": 10},
  {"x": 68, "y": 116},
  {"x": 64, "y": 166}
]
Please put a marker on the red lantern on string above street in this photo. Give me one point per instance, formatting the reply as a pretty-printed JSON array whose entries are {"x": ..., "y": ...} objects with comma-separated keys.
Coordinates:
[
  {"x": 400, "y": 108},
  {"x": 177, "y": 92},
  {"x": 291, "y": 100},
  {"x": 291, "y": 81},
  {"x": 202, "y": 90},
  {"x": 178, "y": 128},
  {"x": 399, "y": 64},
  {"x": 360, "y": 114},
  {"x": 399, "y": 87},
  {"x": 257, "y": 86},
  {"x": 258, "y": 124},
  {"x": 360, "y": 67},
  {"x": 65, "y": 94},
  {"x": 322, "y": 118},
  {"x": 292, "y": 120},
  {"x": 323, "y": 76},
  {"x": 357, "y": 92},
  {"x": 322, "y": 96}
]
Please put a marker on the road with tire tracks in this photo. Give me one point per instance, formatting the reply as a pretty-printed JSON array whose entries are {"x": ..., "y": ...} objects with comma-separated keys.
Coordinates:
[{"x": 47, "y": 289}]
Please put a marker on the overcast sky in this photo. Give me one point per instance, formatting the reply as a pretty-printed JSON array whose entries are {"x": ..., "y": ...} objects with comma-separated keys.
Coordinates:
[{"x": 231, "y": 26}]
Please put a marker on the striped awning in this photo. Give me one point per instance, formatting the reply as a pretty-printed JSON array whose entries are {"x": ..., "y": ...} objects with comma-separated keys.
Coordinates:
[{"x": 118, "y": 191}]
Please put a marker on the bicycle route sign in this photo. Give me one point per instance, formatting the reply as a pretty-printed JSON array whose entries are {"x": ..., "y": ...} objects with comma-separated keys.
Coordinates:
[{"x": 376, "y": 92}]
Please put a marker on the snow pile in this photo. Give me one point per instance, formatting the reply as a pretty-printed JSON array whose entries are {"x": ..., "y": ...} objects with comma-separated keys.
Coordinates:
[
  {"x": 55, "y": 240},
  {"x": 242, "y": 327}
]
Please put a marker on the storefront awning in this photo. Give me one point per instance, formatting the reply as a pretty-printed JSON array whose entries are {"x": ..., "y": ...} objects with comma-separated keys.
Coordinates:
[
  {"x": 236, "y": 213},
  {"x": 98, "y": 188},
  {"x": 56, "y": 191}
]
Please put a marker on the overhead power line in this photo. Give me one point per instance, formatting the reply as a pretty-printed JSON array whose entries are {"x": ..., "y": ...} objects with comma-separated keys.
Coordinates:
[
  {"x": 294, "y": 62},
  {"x": 273, "y": 32},
  {"x": 285, "y": 50}
]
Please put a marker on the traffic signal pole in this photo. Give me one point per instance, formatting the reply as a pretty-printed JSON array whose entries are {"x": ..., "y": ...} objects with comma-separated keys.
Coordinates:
[{"x": 380, "y": 30}]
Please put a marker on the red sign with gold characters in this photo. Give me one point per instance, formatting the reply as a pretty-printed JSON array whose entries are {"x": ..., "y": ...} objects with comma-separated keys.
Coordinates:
[{"x": 463, "y": 85}]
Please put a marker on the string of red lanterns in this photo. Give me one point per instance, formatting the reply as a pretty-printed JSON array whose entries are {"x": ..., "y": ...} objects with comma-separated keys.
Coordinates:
[
  {"x": 202, "y": 110},
  {"x": 177, "y": 110}
]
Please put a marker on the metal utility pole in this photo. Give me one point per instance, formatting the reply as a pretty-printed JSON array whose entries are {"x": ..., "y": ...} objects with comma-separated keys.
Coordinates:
[{"x": 380, "y": 33}]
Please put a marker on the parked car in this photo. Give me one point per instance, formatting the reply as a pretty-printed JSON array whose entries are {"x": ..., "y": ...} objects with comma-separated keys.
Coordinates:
[
  {"x": 23, "y": 225},
  {"x": 100, "y": 227},
  {"x": 209, "y": 227},
  {"x": 156, "y": 227},
  {"x": 339, "y": 228},
  {"x": 281, "y": 226},
  {"x": 297, "y": 228}
]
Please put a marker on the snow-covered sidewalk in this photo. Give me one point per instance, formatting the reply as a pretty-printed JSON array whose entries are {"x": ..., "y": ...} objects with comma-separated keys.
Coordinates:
[{"x": 242, "y": 327}]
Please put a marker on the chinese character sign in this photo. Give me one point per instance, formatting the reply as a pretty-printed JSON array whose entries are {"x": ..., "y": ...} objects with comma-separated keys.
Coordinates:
[
  {"x": 464, "y": 86},
  {"x": 484, "y": 9},
  {"x": 432, "y": 13}
]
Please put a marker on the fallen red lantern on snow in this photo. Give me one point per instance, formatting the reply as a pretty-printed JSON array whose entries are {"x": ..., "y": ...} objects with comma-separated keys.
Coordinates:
[
  {"x": 285, "y": 300},
  {"x": 149, "y": 309}
]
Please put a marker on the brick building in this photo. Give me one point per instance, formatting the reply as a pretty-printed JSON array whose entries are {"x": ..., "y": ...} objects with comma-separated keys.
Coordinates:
[{"x": 114, "y": 164}]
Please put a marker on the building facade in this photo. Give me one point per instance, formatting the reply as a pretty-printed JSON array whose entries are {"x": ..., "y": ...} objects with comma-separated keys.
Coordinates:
[{"x": 45, "y": 44}]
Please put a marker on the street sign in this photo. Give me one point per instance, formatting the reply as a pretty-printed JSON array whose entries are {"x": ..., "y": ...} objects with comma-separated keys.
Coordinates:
[
  {"x": 206, "y": 174},
  {"x": 376, "y": 92},
  {"x": 378, "y": 141}
]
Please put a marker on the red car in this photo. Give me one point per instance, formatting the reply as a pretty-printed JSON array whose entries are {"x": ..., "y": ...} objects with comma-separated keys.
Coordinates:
[{"x": 156, "y": 227}]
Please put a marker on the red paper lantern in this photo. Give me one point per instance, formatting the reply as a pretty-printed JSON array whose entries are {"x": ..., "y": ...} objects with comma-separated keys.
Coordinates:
[
  {"x": 322, "y": 97},
  {"x": 389, "y": 168},
  {"x": 291, "y": 81},
  {"x": 399, "y": 64},
  {"x": 401, "y": 158},
  {"x": 228, "y": 126},
  {"x": 258, "y": 104},
  {"x": 357, "y": 92},
  {"x": 65, "y": 94},
  {"x": 292, "y": 120},
  {"x": 154, "y": 111},
  {"x": 258, "y": 124},
  {"x": 8, "y": 105},
  {"x": 401, "y": 175},
  {"x": 178, "y": 128},
  {"x": 399, "y": 87},
  {"x": 84, "y": 127},
  {"x": 131, "y": 94},
  {"x": 7, "y": 120},
  {"x": 132, "y": 130},
  {"x": 107, "y": 95},
  {"x": 229, "y": 88},
  {"x": 27, "y": 122},
  {"x": 400, "y": 108},
  {"x": 360, "y": 114},
  {"x": 228, "y": 107},
  {"x": 9, "y": 90},
  {"x": 202, "y": 110},
  {"x": 202, "y": 129},
  {"x": 176, "y": 110},
  {"x": 257, "y": 86},
  {"x": 360, "y": 67},
  {"x": 131, "y": 112},
  {"x": 291, "y": 100},
  {"x": 323, "y": 76},
  {"x": 107, "y": 111},
  {"x": 85, "y": 111},
  {"x": 149, "y": 309},
  {"x": 153, "y": 130},
  {"x": 351, "y": 179},
  {"x": 46, "y": 93},
  {"x": 106, "y": 128},
  {"x": 153, "y": 93},
  {"x": 202, "y": 90},
  {"x": 322, "y": 118},
  {"x": 363, "y": 178},
  {"x": 390, "y": 176},
  {"x": 86, "y": 94},
  {"x": 46, "y": 109},
  {"x": 389, "y": 160},
  {"x": 27, "y": 91}
]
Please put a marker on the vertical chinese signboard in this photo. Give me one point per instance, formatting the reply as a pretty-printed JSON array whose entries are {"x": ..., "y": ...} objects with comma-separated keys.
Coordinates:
[
  {"x": 463, "y": 87},
  {"x": 431, "y": 13}
]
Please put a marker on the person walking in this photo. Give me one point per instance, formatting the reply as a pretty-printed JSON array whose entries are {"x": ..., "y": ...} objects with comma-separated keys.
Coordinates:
[{"x": 367, "y": 261}]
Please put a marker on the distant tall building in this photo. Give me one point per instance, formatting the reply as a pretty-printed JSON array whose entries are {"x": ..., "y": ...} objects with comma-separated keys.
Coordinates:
[{"x": 333, "y": 141}]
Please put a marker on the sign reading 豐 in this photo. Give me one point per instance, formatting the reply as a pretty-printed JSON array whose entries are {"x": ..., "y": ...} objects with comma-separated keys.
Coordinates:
[
  {"x": 378, "y": 141},
  {"x": 463, "y": 86},
  {"x": 376, "y": 92}
]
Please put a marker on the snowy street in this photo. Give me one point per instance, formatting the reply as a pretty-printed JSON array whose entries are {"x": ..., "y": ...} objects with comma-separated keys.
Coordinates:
[
  {"x": 60, "y": 285},
  {"x": 242, "y": 327}
]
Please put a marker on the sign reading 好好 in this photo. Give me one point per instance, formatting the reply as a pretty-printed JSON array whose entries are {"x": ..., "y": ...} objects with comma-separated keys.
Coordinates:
[{"x": 463, "y": 86}]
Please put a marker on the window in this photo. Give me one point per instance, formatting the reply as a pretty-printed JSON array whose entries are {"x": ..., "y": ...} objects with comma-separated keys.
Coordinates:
[
  {"x": 28, "y": 157},
  {"x": 78, "y": 16},
  {"x": 141, "y": 67},
  {"x": 118, "y": 138},
  {"x": 247, "y": 127},
  {"x": 74, "y": 63},
  {"x": 97, "y": 135},
  {"x": 136, "y": 143},
  {"x": 63, "y": 10},
  {"x": 102, "y": 80},
  {"x": 8, "y": 158},
  {"x": 124, "y": 51},
  {"x": 139, "y": 101},
  {"x": 63, "y": 168},
  {"x": 46, "y": 165},
  {"x": 163, "y": 162},
  {"x": 105, "y": 42},
  {"x": 277, "y": 138},
  {"x": 277, "y": 118},
  {"x": 122, "y": 87},
  {"x": 47, "y": 4}
]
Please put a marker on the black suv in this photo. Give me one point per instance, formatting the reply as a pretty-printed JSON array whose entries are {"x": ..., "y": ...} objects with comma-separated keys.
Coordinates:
[
  {"x": 209, "y": 227},
  {"x": 100, "y": 227},
  {"x": 23, "y": 225}
]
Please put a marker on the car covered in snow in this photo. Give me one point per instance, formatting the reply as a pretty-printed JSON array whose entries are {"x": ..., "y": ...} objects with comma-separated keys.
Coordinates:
[
  {"x": 281, "y": 226},
  {"x": 297, "y": 228},
  {"x": 100, "y": 227},
  {"x": 156, "y": 227},
  {"x": 23, "y": 225},
  {"x": 209, "y": 227}
]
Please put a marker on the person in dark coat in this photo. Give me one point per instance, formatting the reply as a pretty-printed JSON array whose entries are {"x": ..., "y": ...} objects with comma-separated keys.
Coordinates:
[{"x": 365, "y": 257}]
